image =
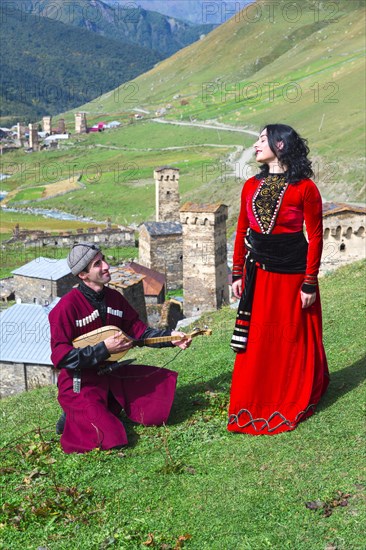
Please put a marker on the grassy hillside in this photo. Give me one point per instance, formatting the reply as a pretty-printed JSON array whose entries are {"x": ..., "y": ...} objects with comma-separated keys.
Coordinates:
[
  {"x": 191, "y": 483},
  {"x": 117, "y": 167},
  {"x": 300, "y": 66}
]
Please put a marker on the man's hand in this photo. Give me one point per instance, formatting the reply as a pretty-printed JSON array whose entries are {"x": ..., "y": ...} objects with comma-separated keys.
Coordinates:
[
  {"x": 184, "y": 342},
  {"x": 117, "y": 343}
]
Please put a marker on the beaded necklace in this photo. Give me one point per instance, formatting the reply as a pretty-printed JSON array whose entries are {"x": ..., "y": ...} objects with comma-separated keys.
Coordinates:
[{"x": 267, "y": 201}]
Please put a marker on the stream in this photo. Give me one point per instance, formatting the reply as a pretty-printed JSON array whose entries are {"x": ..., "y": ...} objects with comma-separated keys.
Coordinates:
[{"x": 49, "y": 213}]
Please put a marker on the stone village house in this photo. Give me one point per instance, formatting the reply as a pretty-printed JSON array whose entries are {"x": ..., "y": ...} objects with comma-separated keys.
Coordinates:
[
  {"x": 42, "y": 280},
  {"x": 161, "y": 249},
  {"x": 154, "y": 283},
  {"x": 107, "y": 236},
  {"x": 25, "y": 348},
  {"x": 344, "y": 234}
]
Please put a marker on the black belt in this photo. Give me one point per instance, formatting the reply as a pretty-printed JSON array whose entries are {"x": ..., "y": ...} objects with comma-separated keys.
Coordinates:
[{"x": 282, "y": 253}]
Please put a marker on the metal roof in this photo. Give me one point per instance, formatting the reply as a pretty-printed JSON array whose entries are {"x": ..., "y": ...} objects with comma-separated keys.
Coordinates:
[
  {"x": 44, "y": 268},
  {"x": 201, "y": 208},
  {"x": 163, "y": 228},
  {"x": 25, "y": 334}
]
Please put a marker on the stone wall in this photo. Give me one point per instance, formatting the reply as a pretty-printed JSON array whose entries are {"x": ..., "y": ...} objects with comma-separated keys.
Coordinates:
[
  {"x": 154, "y": 315},
  {"x": 134, "y": 294},
  {"x": 156, "y": 299},
  {"x": 163, "y": 253},
  {"x": 32, "y": 290},
  {"x": 7, "y": 289},
  {"x": 104, "y": 237},
  {"x": 171, "y": 313},
  {"x": 164, "y": 316},
  {"x": 205, "y": 272},
  {"x": 344, "y": 238},
  {"x": 16, "y": 378}
]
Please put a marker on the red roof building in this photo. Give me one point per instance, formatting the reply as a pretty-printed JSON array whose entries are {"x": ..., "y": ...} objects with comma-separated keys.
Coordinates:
[{"x": 154, "y": 283}]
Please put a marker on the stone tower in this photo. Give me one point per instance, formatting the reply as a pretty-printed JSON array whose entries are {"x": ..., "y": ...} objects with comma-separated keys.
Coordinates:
[
  {"x": 205, "y": 272},
  {"x": 33, "y": 137},
  {"x": 61, "y": 128},
  {"x": 160, "y": 249},
  {"x": 167, "y": 194},
  {"x": 80, "y": 123},
  {"x": 20, "y": 131},
  {"x": 47, "y": 124}
]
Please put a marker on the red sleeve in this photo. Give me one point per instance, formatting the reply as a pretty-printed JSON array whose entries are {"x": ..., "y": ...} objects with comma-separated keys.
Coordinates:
[
  {"x": 241, "y": 231},
  {"x": 313, "y": 217}
]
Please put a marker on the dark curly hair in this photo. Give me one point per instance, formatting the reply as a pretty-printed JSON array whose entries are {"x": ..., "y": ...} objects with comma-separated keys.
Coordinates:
[{"x": 293, "y": 155}]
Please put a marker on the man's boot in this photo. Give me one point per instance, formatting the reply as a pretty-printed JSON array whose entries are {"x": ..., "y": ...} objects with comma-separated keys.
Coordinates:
[{"x": 60, "y": 424}]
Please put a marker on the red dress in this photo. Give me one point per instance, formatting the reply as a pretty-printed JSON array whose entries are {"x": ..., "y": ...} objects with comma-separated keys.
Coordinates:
[{"x": 283, "y": 373}]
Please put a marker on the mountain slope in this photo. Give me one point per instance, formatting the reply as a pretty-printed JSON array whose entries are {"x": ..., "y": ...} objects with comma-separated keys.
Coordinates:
[
  {"x": 196, "y": 11},
  {"x": 308, "y": 73},
  {"x": 124, "y": 21}
]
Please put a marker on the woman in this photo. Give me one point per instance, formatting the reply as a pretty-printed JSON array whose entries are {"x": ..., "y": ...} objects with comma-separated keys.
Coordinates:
[{"x": 280, "y": 371}]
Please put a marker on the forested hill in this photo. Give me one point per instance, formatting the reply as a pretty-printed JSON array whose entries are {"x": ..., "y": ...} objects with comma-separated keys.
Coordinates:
[
  {"x": 48, "y": 67},
  {"x": 124, "y": 21}
]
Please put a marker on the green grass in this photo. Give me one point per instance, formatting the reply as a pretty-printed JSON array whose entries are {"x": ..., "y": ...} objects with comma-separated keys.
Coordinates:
[
  {"x": 27, "y": 220},
  {"x": 29, "y": 194},
  {"x": 164, "y": 136},
  {"x": 192, "y": 484},
  {"x": 117, "y": 168},
  {"x": 322, "y": 54}
]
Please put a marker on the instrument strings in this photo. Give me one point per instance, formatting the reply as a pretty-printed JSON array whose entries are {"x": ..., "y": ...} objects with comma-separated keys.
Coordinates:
[{"x": 152, "y": 373}]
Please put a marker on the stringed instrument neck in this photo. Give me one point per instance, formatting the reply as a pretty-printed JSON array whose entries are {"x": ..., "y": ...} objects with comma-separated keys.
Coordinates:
[
  {"x": 160, "y": 340},
  {"x": 99, "y": 335}
]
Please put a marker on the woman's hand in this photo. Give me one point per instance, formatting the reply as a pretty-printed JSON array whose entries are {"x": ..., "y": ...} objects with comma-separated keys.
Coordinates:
[
  {"x": 307, "y": 300},
  {"x": 184, "y": 342},
  {"x": 237, "y": 288}
]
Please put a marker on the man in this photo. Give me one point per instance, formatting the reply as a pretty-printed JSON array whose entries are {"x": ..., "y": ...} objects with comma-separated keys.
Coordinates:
[{"x": 91, "y": 399}]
